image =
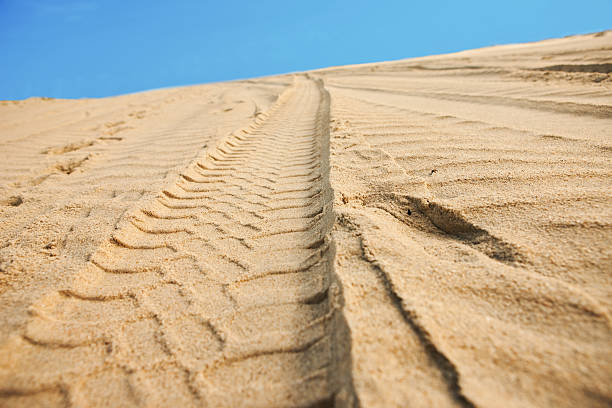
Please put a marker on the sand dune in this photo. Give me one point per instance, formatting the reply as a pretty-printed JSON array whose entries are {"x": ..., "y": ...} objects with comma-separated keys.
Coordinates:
[{"x": 425, "y": 232}]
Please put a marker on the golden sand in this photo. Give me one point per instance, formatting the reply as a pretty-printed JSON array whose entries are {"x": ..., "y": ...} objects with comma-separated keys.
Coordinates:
[{"x": 427, "y": 232}]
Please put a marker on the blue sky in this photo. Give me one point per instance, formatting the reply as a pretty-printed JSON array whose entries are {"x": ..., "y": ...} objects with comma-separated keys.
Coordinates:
[{"x": 90, "y": 48}]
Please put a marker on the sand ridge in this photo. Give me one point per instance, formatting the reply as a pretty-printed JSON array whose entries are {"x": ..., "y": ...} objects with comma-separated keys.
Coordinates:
[{"x": 425, "y": 232}]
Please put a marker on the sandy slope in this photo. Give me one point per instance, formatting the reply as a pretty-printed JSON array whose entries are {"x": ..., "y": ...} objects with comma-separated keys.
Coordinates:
[{"x": 426, "y": 232}]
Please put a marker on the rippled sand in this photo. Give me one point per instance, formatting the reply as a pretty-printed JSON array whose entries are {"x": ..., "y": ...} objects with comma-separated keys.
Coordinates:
[{"x": 425, "y": 232}]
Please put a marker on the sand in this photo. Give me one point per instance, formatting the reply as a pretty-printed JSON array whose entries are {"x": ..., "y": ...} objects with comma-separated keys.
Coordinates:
[{"x": 426, "y": 232}]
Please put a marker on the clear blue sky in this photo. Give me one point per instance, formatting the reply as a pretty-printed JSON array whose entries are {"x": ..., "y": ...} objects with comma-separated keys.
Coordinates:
[{"x": 87, "y": 48}]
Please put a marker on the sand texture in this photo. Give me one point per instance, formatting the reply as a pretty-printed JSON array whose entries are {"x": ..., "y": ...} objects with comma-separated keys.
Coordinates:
[{"x": 431, "y": 232}]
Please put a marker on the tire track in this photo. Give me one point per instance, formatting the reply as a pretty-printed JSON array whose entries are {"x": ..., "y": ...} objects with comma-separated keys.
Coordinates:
[
  {"x": 578, "y": 109},
  {"x": 218, "y": 292}
]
